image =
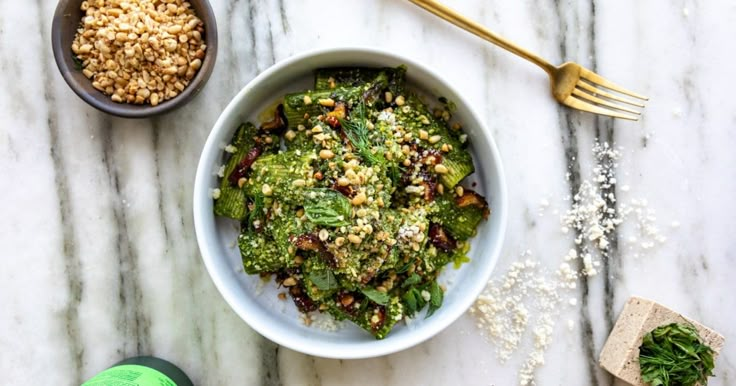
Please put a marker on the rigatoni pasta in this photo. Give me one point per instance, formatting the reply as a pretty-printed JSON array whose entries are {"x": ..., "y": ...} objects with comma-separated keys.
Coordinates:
[{"x": 350, "y": 196}]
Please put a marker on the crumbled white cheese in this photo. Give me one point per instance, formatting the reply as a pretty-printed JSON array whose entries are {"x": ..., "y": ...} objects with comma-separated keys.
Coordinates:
[
  {"x": 387, "y": 116},
  {"x": 325, "y": 322},
  {"x": 426, "y": 295},
  {"x": 523, "y": 300},
  {"x": 524, "y": 303},
  {"x": 588, "y": 268},
  {"x": 215, "y": 193},
  {"x": 231, "y": 149}
]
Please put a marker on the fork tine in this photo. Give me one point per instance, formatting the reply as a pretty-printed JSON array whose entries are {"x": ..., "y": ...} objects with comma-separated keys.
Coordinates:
[
  {"x": 591, "y": 108},
  {"x": 595, "y": 99},
  {"x": 588, "y": 87},
  {"x": 597, "y": 79}
]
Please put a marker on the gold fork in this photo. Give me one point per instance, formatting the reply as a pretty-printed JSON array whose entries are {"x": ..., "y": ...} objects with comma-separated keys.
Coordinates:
[{"x": 572, "y": 84}]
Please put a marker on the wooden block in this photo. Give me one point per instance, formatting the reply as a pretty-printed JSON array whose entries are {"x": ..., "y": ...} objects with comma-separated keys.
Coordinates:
[{"x": 620, "y": 354}]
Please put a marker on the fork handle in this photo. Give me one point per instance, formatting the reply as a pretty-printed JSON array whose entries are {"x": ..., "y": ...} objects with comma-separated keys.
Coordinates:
[{"x": 480, "y": 31}]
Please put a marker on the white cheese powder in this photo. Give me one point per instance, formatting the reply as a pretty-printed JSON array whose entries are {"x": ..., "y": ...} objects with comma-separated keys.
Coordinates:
[{"x": 524, "y": 303}]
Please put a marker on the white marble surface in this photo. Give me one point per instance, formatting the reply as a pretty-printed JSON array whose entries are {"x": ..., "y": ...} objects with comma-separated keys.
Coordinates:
[{"x": 99, "y": 259}]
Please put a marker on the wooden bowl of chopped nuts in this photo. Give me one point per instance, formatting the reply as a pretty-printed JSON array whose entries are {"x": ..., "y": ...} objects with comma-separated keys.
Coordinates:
[{"x": 135, "y": 58}]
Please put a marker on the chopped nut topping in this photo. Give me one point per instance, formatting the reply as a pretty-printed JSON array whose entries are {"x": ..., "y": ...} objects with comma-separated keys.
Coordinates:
[
  {"x": 137, "y": 52},
  {"x": 329, "y": 102},
  {"x": 266, "y": 190},
  {"x": 441, "y": 169},
  {"x": 324, "y": 235},
  {"x": 359, "y": 199}
]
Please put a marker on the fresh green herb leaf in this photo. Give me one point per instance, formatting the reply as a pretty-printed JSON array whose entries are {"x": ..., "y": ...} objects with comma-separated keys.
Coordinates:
[
  {"x": 410, "y": 302},
  {"x": 356, "y": 129},
  {"x": 404, "y": 268},
  {"x": 673, "y": 354},
  {"x": 420, "y": 299},
  {"x": 327, "y": 207},
  {"x": 411, "y": 280},
  {"x": 324, "y": 280},
  {"x": 258, "y": 206},
  {"x": 437, "y": 296},
  {"x": 77, "y": 62},
  {"x": 376, "y": 296},
  {"x": 394, "y": 173}
]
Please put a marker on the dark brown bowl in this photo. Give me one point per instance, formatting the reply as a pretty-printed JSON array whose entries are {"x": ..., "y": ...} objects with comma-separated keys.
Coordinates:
[{"x": 66, "y": 21}]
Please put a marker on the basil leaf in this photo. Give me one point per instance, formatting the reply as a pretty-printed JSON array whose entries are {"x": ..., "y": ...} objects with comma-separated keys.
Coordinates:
[
  {"x": 436, "y": 298},
  {"x": 404, "y": 268},
  {"x": 420, "y": 299},
  {"x": 327, "y": 207},
  {"x": 376, "y": 296},
  {"x": 436, "y": 295},
  {"x": 410, "y": 301},
  {"x": 324, "y": 280},
  {"x": 411, "y": 280}
]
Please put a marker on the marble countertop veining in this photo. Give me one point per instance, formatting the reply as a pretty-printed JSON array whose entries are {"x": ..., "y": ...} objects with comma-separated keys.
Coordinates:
[{"x": 99, "y": 256}]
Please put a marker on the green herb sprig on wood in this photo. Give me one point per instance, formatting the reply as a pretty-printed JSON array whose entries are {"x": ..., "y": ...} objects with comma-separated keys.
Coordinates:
[{"x": 673, "y": 354}]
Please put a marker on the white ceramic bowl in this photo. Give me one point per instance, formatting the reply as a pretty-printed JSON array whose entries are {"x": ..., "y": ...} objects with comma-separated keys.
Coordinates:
[{"x": 256, "y": 302}]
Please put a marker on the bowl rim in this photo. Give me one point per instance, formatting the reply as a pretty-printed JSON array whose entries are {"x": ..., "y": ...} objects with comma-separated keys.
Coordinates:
[
  {"x": 125, "y": 110},
  {"x": 202, "y": 193}
]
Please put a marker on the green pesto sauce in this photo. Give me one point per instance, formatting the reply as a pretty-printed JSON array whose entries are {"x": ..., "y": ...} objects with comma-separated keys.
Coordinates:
[{"x": 345, "y": 204}]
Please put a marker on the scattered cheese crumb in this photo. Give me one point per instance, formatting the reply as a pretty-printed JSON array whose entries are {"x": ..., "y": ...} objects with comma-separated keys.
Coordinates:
[
  {"x": 325, "y": 322},
  {"x": 524, "y": 302},
  {"x": 216, "y": 193},
  {"x": 524, "y": 299}
]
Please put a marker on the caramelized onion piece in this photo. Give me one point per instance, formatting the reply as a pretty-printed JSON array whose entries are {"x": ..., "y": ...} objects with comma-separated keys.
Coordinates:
[
  {"x": 440, "y": 238},
  {"x": 311, "y": 242},
  {"x": 242, "y": 170},
  {"x": 278, "y": 122},
  {"x": 469, "y": 198}
]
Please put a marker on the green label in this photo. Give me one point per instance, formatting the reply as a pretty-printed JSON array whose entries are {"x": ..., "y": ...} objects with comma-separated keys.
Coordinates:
[{"x": 130, "y": 375}]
